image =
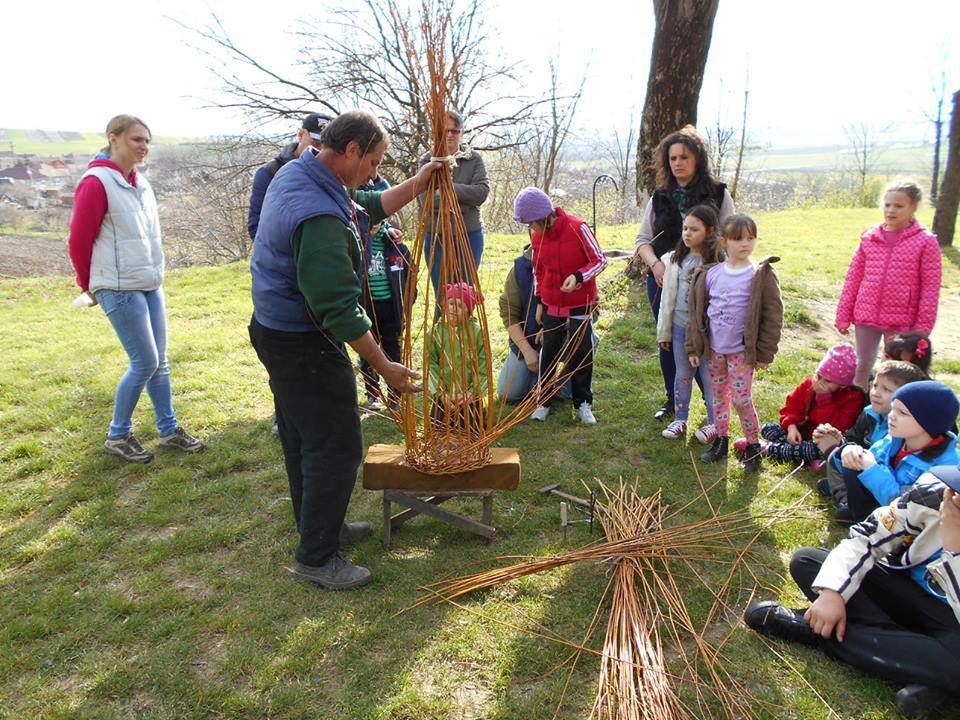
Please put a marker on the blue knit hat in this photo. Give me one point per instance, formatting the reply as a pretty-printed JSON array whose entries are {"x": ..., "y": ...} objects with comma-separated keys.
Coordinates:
[
  {"x": 531, "y": 204},
  {"x": 932, "y": 404}
]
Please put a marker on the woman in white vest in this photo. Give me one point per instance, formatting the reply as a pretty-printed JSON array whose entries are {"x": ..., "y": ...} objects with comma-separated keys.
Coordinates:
[{"x": 116, "y": 250}]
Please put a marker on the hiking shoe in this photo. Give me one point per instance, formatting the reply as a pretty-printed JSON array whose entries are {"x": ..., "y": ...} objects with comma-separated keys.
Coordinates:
[
  {"x": 920, "y": 701},
  {"x": 585, "y": 412},
  {"x": 128, "y": 448},
  {"x": 751, "y": 458},
  {"x": 335, "y": 574},
  {"x": 844, "y": 516},
  {"x": 541, "y": 413},
  {"x": 775, "y": 620},
  {"x": 181, "y": 440},
  {"x": 666, "y": 411},
  {"x": 353, "y": 532},
  {"x": 706, "y": 434},
  {"x": 823, "y": 487},
  {"x": 718, "y": 451},
  {"x": 676, "y": 429}
]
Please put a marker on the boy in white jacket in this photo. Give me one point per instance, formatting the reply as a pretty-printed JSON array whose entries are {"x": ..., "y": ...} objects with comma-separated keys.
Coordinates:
[{"x": 887, "y": 599}]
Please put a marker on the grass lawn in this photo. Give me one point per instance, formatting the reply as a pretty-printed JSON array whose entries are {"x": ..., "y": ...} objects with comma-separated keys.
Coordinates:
[{"x": 160, "y": 591}]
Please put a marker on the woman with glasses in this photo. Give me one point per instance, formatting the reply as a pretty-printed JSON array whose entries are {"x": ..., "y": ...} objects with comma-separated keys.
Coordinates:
[{"x": 472, "y": 187}]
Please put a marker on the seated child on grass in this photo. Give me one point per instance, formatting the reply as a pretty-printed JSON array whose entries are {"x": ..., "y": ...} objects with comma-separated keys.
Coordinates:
[
  {"x": 887, "y": 599},
  {"x": 457, "y": 383},
  {"x": 829, "y": 396},
  {"x": 919, "y": 438},
  {"x": 869, "y": 427},
  {"x": 913, "y": 348}
]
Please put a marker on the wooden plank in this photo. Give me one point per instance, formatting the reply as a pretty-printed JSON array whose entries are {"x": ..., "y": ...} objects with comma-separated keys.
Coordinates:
[
  {"x": 449, "y": 517},
  {"x": 384, "y": 469},
  {"x": 402, "y": 517}
]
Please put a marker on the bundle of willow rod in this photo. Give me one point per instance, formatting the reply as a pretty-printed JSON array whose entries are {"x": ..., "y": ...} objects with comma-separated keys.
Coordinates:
[
  {"x": 453, "y": 429},
  {"x": 648, "y": 610}
]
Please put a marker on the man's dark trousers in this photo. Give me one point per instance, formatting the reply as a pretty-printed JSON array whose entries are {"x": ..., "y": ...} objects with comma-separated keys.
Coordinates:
[{"x": 315, "y": 394}]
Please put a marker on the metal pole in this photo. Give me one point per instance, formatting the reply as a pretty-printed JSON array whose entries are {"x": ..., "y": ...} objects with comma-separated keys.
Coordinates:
[{"x": 599, "y": 179}]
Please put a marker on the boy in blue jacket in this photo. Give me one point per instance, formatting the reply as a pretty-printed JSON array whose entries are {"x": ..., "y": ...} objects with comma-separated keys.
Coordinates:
[
  {"x": 868, "y": 428},
  {"x": 921, "y": 414}
]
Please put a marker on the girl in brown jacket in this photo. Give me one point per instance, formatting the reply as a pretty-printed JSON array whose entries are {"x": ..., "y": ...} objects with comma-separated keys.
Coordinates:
[{"x": 736, "y": 316}]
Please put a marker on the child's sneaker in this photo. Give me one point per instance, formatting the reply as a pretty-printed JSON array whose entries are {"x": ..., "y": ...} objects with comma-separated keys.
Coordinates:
[
  {"x": 181, "y": 440},
  {"x": 716, "y": 452},
  {"x": 128, "y": 448},
  {"x": 372, "y": 404},
  {"x": 823, "y": 487},
  {"x": 586, "y": 414},
  {"x": 676, "y": 429},
  {"x": 706, "y": 434},
  {"x": 541, "y": 413}
]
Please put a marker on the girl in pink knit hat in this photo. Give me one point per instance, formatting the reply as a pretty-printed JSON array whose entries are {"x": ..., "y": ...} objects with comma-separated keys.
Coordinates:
[{"x": 828, "y": 396}]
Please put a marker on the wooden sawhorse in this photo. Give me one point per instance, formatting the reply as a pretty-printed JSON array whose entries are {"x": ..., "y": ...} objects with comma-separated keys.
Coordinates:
[{"x": 421, "y": 493}]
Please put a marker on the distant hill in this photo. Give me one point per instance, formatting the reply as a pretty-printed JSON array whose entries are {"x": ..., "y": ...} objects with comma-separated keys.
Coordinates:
[{"x": 61, "y": 142}]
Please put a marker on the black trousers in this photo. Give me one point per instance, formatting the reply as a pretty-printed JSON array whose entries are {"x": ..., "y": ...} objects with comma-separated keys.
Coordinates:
[
  {"x": 386, "y": 330},
  {"x": 315, "y": 394},
  {"x": 576, "y": 357},
  {"x": 895, "y": 629},
  {"x": 860, "y": 500}
]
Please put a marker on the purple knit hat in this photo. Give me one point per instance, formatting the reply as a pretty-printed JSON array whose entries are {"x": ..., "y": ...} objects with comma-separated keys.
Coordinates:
[
  {"x": 839, "y": 365},
  {"x": 531, "y": 204}
]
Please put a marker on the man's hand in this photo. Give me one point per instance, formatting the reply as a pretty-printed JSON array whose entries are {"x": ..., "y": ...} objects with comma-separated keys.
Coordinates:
[
  {"x": 400, "y": 377},
  {"x": 793, "y": 435},
  {"x": 569, "y": 284},
  {"x": 950, "y": 520},
  {"x": 828, "y": 615},
  {"x": 422, "y": 178}
]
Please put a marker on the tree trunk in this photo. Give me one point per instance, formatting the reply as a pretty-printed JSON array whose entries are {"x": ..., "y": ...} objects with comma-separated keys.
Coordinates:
[
  {"x": 743, "y": 144},
  {"x": 945, "y": 219},
  {"x": 938, "y": 133},
  {"x": 681, "y": 42}
]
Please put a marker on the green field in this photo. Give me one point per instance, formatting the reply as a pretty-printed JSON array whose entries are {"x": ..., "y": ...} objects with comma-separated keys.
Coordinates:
[
  {"x": 160, "y": 591},
  {"x": 26, "y": 142}
]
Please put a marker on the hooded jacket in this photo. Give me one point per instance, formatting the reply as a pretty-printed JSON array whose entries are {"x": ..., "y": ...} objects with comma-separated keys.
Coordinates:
[
  {"x": 893, "y": 287},
  {"x": 764, "y": 321}
]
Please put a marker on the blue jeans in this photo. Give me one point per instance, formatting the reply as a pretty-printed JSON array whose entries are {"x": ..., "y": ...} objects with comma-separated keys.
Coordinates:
[
  {"x": 683, "y": 384},
  {"x": 139, "y": 319},
  {"x": 516, "y": 380},
  {"x": 476, "y": 249},
  {"x": 668, "y": 367}
]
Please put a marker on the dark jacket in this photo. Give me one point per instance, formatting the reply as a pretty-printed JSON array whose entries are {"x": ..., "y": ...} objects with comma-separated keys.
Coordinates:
[
  {"x": 764, "y": 322},
  {"x": 518, "y": 304},
  {"x": 397, "y": 260},
  {"x": 667, "y": 219},
  {"x": 261, "y": 181}
]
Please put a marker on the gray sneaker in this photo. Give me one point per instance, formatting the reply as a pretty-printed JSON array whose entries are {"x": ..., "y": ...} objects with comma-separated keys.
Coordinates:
[
  {"x": 335, "y": 574},
  {"x": 181, "y": 440},
  {"x": 128, "y": 448}
]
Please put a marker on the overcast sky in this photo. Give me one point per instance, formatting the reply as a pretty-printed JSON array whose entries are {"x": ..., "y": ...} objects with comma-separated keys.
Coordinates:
[{"x": 813, "y": 66}]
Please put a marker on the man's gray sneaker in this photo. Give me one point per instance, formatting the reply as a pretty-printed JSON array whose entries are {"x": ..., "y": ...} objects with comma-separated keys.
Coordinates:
[
  {"x": 128, "y": 448},
  {"x": 335, "y": 574},
  {"x": 181, "y": 440},
  {"x": 352, "y": 532}
]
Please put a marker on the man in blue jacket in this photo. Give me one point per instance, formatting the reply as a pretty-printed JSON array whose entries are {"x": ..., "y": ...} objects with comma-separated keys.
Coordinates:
[{"x": 306, "y": 268}]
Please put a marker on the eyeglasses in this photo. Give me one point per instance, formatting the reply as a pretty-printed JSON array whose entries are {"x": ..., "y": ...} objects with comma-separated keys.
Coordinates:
[{"x": 454, "y": 131}]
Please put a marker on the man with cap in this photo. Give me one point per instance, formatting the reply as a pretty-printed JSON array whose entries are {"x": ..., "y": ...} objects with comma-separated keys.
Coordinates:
[
  {"x": 308, "y": 135},
  {"x": 919, "y": 437},
  {"x": 306, "y": 307},
  {"x": 887, "y": 599},
  {"x": 566, "y": 261}
]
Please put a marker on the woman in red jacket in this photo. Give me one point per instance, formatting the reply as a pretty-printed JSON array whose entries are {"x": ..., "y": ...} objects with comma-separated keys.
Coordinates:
[
  {"x": 829, "y": 396},
  {"x": 566, "y": 261},
  {"x": 893, "y": 282}
]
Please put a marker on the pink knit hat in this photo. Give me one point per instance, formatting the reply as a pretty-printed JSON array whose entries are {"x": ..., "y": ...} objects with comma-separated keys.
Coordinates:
[
  {"x": 839, "y": 365},
  {"x": 464, "y": 292}
]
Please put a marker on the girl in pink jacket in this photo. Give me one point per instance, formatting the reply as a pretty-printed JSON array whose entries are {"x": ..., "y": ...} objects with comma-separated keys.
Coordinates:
[{"x": 893, "y": 282}]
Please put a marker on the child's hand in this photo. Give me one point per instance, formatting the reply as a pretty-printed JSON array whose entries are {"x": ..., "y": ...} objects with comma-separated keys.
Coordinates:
[
  {"x": 842, "y": 329},
  {"x": 569, "y": 284},
  {"x": 828, "y": 614},
  {"x": 395, "y": 233},
  {"x": 852, "y": 457},
  {"x": 665, "y": 345},
  {"x": 793, "y": 435},
  {"x": 950, "y": 520},
  {"x": 694, "y": 361}
]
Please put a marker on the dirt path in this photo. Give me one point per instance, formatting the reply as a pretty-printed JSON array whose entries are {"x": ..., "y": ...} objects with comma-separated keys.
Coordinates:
[{"x": 32, "y": 256}]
